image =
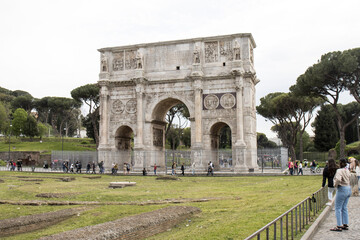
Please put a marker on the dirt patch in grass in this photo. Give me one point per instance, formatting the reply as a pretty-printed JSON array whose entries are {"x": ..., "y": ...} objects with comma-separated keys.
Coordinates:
[
  {"x": 34, "y": 222},
  {"x": 133, "y": 227},
  {"x": 92, "y": 177},
  {"x": 167, "y": 177},
  {"x": 64, "y": 179},
  {"x": 32, "y": 180},
  {"x": 56, "y": 195},
  {"x": 1, "y": 181},
  {"x": 139, "y": 203}
]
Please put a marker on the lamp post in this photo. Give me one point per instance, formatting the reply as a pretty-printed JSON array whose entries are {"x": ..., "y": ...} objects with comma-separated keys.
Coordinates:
[{"x": 10, "y": 138}]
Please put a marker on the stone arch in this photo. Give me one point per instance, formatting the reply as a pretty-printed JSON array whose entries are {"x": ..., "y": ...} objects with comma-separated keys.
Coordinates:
[
  {"x": 215, "y": 134},
  {"x": 220, "y": 157},
  {"x": 167, "y": 98},
  {"x": 158, "y": 119},
  {"x": 123, "y": 137}
]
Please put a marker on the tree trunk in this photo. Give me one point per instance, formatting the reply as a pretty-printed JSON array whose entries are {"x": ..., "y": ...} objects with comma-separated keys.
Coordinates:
[
  {"x": 93, "y": 121},
  {"x": 301, "y": 150},
  {"x": 342, "y": 143},
  {"x": 292, "y": 152}
]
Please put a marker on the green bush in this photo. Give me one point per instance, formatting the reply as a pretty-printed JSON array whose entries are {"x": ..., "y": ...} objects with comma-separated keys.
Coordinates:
[
  {"x": 84, "y": 142},
  {"x": 2, "y": 163}
]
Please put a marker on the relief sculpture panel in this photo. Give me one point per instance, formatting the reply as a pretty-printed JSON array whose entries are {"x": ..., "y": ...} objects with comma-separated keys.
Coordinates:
[
  {"x": 211, "y": 52},
  {"x": 158, "y": 137},
  {"x": 117, "y": 106},
  {"x": 130, "y": 59},
  {"x": 227, "y": 101},
  {"x": 118, "y": 61},
  {"x": 131, "y": 106},
  {"x": 211, "y": 101},
  {"x": 226, "y": 51}
]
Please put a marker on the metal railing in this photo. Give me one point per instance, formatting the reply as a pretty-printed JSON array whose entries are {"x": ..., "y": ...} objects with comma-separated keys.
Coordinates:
[{"x": 293, "y": 221}]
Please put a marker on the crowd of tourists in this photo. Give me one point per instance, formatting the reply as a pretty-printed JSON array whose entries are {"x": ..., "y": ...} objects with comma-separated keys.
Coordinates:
[
  {"x": 296, "y": 167},
  {"x": 338, "y": 178},
  {"x": 12, "y": 165}
]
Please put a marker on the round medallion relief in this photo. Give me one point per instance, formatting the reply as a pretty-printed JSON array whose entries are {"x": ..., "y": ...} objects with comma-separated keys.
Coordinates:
[
  {"x": 118, "y": 106},
  {"x": 131, "y": 106},
  {"x": 211, "y": 101},
  {"x": 227, "y": 101}
]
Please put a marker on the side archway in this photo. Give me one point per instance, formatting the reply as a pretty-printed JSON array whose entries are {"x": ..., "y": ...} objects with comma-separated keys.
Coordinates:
[
  {"x": 221, "y": 145},
  {"x": 124, "y": 138}
]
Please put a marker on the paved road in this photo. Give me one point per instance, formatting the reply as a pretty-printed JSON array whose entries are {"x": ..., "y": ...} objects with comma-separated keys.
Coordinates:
[{"x": 324, "y": 232}]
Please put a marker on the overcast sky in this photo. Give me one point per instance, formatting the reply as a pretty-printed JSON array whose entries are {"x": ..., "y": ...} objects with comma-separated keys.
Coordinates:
[{"x": 49, "y": 48}]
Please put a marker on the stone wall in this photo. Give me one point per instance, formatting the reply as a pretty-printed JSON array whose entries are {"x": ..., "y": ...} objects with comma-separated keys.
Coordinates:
[{"x": 35, "y": 156}]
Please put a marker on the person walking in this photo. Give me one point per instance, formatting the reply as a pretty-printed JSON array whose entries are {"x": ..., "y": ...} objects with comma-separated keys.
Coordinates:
[
  {"x": 291, "y": 167},
  {"x": 183, "y": 169},
  {"x": 88, "y": 166},
  {"x": 328, "y": 174},
  {"x": 125, "y": 168},
  {"x": 173, "y": 168},
  {"x": 300, "y": 168},
  {"x": 342, "y": 183},
  {"x": 93, "y": 168},
  {"x": 296, "y": 167},
  {"x": 155, "y": 167},
  {"x": 357, "y": 171}
]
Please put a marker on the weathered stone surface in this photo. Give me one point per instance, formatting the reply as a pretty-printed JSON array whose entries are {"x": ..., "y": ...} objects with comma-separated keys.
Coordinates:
[
  {"x": 213, "y": 76},
  {"x": 121, "y": 184}
]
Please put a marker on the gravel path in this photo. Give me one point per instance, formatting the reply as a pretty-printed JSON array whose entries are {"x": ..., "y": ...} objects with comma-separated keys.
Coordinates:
[{"x": 353, "y": 233}]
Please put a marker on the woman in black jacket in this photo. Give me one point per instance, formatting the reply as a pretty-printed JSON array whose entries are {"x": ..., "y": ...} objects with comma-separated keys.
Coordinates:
[{"x": 329, "y": 173}]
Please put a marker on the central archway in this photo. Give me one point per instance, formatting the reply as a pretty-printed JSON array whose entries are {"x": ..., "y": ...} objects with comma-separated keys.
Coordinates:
[{"x": 160, "y": 125}]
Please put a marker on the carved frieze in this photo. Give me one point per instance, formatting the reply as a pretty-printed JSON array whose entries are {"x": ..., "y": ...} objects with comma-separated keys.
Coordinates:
[
  {"x": 227, "y": 101},
  {"x": 130, "y": 59},
  {"x": 211, "y": 101},
  {"x": 158, "y": 137},
  {"x": 211, "y": 52},
  {"x": 131, "y": 106},
  {"x": 118, "y": 62},
  {"x": 117, "y": 106},
  {"x": 226, "y": 50}
]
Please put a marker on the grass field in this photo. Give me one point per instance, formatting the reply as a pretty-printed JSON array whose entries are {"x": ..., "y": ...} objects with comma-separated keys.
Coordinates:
[
  {"x": 48, "y": 144},
  {"x": 239, "y": 205}
]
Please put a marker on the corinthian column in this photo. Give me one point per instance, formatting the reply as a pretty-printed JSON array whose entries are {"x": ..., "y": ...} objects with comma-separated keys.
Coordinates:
[
  {"x": 140, "y": 114},
  {"x": 198, "y": 112},
  {"x": 240, "y": 146},
  {"x": 104, "y": 118}
]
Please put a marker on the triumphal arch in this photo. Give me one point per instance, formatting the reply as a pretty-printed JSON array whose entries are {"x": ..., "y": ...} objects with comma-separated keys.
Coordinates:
[{"x": 213, "y": 76}]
